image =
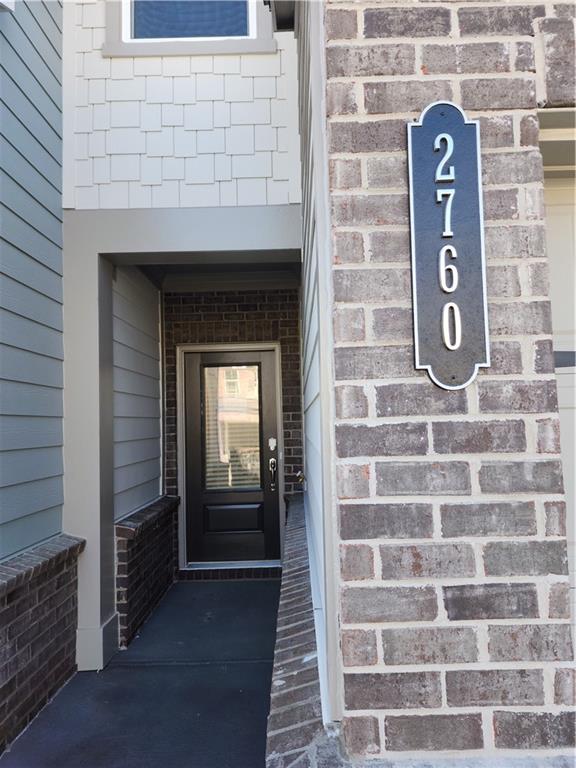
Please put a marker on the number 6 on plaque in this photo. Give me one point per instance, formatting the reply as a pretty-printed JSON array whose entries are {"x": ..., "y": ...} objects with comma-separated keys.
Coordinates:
[{"x": 446, "y": 271}]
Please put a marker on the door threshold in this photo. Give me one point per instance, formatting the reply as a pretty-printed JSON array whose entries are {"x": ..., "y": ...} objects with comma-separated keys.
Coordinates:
[{"x": 233, "y": 564}]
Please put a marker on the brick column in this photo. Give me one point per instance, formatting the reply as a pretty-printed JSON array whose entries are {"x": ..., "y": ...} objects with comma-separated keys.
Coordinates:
[{"x": 454, "y": 616}]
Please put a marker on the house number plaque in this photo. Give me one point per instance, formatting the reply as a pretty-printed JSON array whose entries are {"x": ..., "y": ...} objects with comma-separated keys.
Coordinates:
[{"x": 447, "y": 241}]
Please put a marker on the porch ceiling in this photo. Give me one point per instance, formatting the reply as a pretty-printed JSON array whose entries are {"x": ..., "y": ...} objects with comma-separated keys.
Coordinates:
[{"x": 227, "y": 272}]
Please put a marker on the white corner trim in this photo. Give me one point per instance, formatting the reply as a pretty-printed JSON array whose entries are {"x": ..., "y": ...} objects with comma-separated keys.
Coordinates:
[
  {"x": 95, "y": 646},
  {"x": 68, "y": 105},
  {"x": 7, "y": 5}
]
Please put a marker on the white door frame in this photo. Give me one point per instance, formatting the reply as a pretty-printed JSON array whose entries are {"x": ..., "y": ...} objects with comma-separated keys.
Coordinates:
[{"x": 181, "y": 350}]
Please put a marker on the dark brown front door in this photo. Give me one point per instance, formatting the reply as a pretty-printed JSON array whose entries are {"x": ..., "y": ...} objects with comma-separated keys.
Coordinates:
[{"x": 232, "y": 457}]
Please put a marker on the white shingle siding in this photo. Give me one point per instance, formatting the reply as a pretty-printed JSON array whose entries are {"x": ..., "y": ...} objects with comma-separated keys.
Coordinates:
[{"x": 179, "y": 131}]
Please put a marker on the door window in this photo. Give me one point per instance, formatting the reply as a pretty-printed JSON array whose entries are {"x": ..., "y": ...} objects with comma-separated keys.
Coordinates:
[{"x": 231, "y": 427}]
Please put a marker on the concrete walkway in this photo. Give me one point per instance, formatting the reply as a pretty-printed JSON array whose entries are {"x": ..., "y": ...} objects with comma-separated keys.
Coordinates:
[{"x": 192, "y": 690}]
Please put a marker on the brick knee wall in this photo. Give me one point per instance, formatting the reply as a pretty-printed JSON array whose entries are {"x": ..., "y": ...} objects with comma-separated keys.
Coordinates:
[
  {"x": 228, "y": 317},
  {"x": 146, "y": 562},
  {"x": 295, "y": 718},
  {"x": 455, "y": 629},
  {"x": 38, "y": 622}
]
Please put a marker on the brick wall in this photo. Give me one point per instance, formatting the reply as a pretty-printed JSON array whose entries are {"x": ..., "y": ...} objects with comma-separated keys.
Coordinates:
[
  {"x": 455, "y": 626},
  {"x": 227, "y": 317},
  {"x": 295, "y": 719},
  {"x": 146, "y": 562},
  {"x": 38, "y": 621}
]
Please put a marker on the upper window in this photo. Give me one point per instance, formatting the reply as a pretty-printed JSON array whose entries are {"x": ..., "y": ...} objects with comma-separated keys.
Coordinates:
[
  {"x": 160, "y": 19},
  {"x": 181, "y": 27}
]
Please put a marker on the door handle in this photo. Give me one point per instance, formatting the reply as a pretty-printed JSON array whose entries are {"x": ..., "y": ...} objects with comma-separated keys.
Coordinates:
[{"x": 272, "y": 466}]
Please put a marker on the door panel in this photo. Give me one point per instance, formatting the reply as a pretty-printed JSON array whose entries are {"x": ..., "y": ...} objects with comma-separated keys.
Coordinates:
[
  {"x": 231, "y": 450},
  {"x": 234, "y": 517}
]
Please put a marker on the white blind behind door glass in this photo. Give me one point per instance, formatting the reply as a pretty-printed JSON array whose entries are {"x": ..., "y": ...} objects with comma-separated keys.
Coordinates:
[{"x": 231, "y": 427}]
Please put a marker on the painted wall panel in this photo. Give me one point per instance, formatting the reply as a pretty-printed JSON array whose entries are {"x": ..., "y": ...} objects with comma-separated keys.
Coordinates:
[
  {"x": 18, "y": 198},
  {"x": 26, "y": 334},
  {"x": 29, "y": 116},
  {"x": 19, "y": 432},
  {"x": 134, "y": 451},
  {"x": 17, "y": 166},
  {"x": 136, "y": 377},
  {"x": 135, "y": 383},
  {"x": 135, "y": 312},
  {"x": 137, "y": 362},
  {"x": 29, "y": 272},
  {"x": 134, "y": 475},
  {"x": 54, "y": 11},
  {"x": 134, "y": 338},
  {"x": 27, "y": 498},
  {"x": 30, "y": 464},
  {"x": 19, "y": 399},
  {"x": 131, "y": 405},
  {"x": 21, "y": 234},
  {"x": 31, "y": 304},
  {"x": 135, "y": 429},
  {"x": 30, "y": 275},
  {"x": 131, "y": 499},
  {"x": 39, "y": 28},
  {"x": 22, "y": 69},
  {"x": 27, "y": 147},
  {"x": 31, "y": 528},
  {"x": 21, "y": 365}
]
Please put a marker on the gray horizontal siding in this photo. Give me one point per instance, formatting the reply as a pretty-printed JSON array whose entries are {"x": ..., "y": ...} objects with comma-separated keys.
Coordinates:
[
  {"x": 31, "y": 348},
  {"x": 29, "y": 399},
  {"x": 27, "y": 271},
  {"x": 27, "y": 334},
  {"x": 25, "y": 113},
  {"x": 22, "y": 201},
  {"x": 21, "y": 432},
  {"x": 29, "y": 528},
  {"x": 30, "y": 303},
  {"x": 37, "y": 496},
  {"x": 24, "y": 466},
  {"x": 18, "y": 232},
  {"x": 21, "y": 365},
  {"x": 137, "y": 432},
  {"x": 17, "y": 166},
  {"x": 134, "y": 451},
  {"x": 25, "y": 145}
]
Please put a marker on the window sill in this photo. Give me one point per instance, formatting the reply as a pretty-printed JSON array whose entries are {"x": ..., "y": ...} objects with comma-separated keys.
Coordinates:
[{"x": 188, "y": 47}]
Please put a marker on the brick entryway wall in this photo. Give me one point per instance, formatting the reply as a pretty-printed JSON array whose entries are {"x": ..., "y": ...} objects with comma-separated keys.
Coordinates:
[
  {"x": 227, "y": 317},
  {"x": 454, "y": 613}
]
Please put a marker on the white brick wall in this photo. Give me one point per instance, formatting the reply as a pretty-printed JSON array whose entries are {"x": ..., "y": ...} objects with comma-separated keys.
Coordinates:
[{"x": 177, "y": 131}]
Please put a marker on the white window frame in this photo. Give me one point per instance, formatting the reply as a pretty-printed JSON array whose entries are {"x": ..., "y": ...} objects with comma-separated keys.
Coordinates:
[
  {"x": 128, "y": 23},
  {"x": 119, "y": 40}
]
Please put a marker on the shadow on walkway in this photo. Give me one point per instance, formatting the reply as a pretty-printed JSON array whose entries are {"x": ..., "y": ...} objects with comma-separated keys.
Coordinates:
[{"x": 192, "y": 690}]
